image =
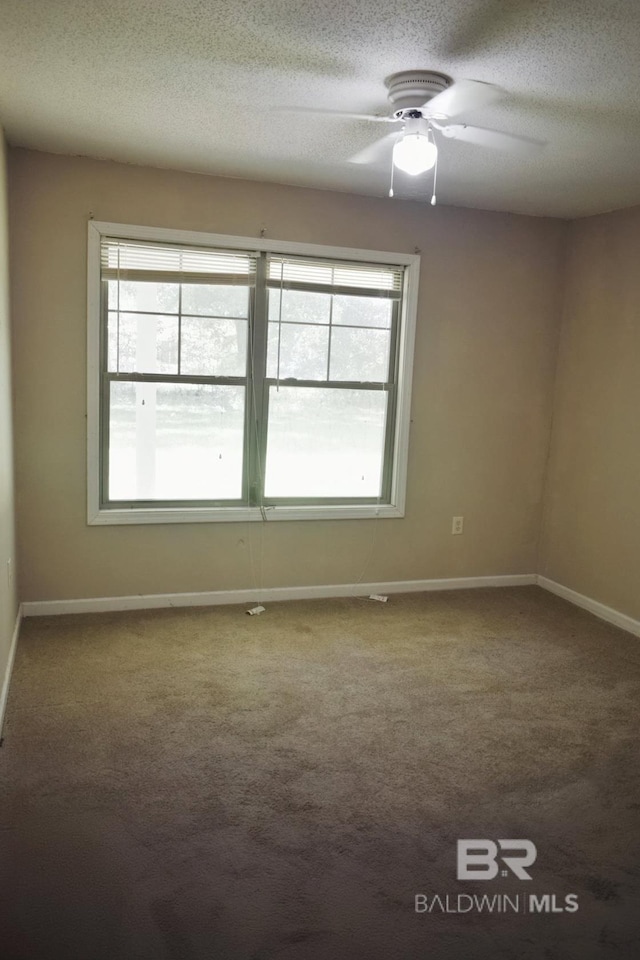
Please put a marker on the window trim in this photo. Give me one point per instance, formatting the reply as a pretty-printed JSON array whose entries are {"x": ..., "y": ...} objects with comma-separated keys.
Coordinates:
[{"x": 97, "y": 515}]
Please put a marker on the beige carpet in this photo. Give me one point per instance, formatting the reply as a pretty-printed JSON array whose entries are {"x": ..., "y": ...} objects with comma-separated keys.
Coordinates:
[{"x": 202, "y": 785}]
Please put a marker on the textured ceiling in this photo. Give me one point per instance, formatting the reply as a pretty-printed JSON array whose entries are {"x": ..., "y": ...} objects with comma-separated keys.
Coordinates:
[{"x": 195, "y": 85}]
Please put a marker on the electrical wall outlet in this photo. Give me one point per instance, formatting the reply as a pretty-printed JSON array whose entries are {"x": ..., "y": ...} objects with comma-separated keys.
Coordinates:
[{"x": 456, "y": 525}]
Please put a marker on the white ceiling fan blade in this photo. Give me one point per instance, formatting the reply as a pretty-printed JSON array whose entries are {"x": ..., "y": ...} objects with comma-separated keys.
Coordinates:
[
  {"x": 375, "y": 151},
  {"x": 460, "y": 97},
  {"x": 337, "y": 113},
  {"x": 495, "y": 139}
]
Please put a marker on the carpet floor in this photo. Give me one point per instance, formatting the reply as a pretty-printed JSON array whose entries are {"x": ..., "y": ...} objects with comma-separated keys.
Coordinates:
[{"x": 202, "y": 785}]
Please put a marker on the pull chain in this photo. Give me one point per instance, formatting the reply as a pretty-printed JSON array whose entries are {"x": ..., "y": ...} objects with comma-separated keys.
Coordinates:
[{"x": 435, "y": 176}]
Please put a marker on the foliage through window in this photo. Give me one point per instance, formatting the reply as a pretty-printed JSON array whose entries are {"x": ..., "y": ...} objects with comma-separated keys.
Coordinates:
[{"x": 239, "y": 378}]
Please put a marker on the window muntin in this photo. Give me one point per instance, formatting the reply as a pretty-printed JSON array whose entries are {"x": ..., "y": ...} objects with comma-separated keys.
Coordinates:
[
  {"x": 194, "y": 316},
  {"x": 324, "y": 336}
]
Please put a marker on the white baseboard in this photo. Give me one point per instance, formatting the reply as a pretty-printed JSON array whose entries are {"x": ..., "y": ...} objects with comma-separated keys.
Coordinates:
[
  {"x": 40, "y": 608},
  {"x": 593, "y": 606},
  {"x": 4, "y": 694}
]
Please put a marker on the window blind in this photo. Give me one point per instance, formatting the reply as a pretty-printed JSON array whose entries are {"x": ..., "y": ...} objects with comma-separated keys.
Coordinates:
[
  {"x": 164, "y": 263},
  {"x": 335, "y": 276}
]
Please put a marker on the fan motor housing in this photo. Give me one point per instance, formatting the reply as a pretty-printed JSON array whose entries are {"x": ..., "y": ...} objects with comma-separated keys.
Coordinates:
[{"x": 413, "y": 88}]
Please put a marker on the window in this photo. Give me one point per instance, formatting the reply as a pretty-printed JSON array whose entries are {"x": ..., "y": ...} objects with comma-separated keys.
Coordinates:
[{"x": 239, "y": 379}]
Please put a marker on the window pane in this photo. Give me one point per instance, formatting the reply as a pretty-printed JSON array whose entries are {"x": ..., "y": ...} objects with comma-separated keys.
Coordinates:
[
  {"x": 216, "y": 348},
  {"x": 303, "y": 351},
  {"x": 325, "y": 442},
  {"x": 145, "y": 343},
  {"x": 298, "y": 306},
  {"x": 175, "y": 441},
  {"x": 213, "y": 300},
  {"x": 143, "y": 295},
  {"x": 362, "y": 311},
  {"x": 359, "y": 354},
  {"x": 112, "y": 343}
]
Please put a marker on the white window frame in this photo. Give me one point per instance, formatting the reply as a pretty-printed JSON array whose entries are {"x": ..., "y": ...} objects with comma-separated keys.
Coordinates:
[{"x": 96, "y": 515}]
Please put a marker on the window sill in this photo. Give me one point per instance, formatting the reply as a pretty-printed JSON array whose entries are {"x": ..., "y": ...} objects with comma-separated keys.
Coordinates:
[{"x": 241, "y": 514}]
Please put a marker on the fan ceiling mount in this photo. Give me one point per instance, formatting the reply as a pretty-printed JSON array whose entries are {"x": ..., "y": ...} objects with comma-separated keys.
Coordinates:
[{"x": 413, "y": 89}]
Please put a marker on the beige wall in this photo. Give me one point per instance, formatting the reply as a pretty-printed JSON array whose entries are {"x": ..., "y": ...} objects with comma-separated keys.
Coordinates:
[
  {"x": 591, "y": 540},
  {"x": 8, "y": 598},
  {"x": 484, "y": 365}
]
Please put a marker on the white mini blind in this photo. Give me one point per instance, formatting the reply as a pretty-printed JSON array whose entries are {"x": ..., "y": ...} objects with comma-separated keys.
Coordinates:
[
  {"x": 166, "y": 263},
  {"x": 373, "y": 279}
]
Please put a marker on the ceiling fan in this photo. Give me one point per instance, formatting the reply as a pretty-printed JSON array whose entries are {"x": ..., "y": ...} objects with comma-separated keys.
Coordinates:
[{"x": 425, "y": 102}]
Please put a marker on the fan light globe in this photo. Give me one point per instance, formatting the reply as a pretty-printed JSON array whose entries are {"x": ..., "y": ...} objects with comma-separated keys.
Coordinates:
[{"x": 414, "y": 153}]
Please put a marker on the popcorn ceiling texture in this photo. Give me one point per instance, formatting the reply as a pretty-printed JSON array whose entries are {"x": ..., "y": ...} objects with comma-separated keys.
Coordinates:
[{"x": 194, "y": 86}]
